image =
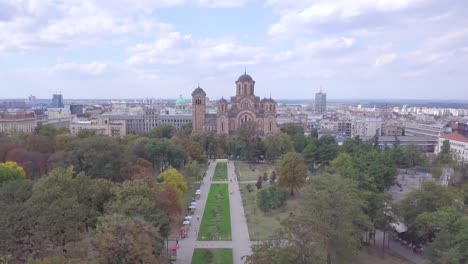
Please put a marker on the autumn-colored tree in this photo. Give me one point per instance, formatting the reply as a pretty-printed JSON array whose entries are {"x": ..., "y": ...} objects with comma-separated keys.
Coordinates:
[
  {"x": 172, "y": 177},
  {"x": 292, "y": 172},
  {"x": 140, "y": 170},
  {"x": 172, "y": 197},
  {"x": 126, "y": 240},
  {"x": 11, "y": 171}
]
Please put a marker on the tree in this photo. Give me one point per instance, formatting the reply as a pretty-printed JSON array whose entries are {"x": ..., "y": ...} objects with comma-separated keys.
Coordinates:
[
  {"x": 162, "y": 132},
  {"x": 11, "y": 171},
  {"x": 265, "y": 176},
  {"x": 99, "y": 157},
  {"x": 292, "y": 129},
  {"x": 15, "y": 191},
  {"x": 172, "y": 177},
  {"x": 277, "y": 145},
  {"x": 445, "y": 156},
  {"x": 336, "y": 206},
  {"x": 127, "y": 240},
  {"x": 271, "y": 198},
  {"x": 259, "y": 183},
  {"x": 193, "y": 171},
  {"x": 164, "y": 153},
  {"x": 292, "y": 172},
  {"x": 429, "y": 198},
  {"x": 137, "y": 199},
  {"x": 172, "y": 197},
  {"x": 300, "y": 142},
  {"x": 450, "y": 227},
  {"x": 311, "y": 154},
  {"x": 343, "y": 164},
  {"x": 273, "y": 177}
]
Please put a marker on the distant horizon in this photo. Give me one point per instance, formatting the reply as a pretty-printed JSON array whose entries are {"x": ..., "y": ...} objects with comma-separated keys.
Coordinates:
[{"x": 277, "y": 99}]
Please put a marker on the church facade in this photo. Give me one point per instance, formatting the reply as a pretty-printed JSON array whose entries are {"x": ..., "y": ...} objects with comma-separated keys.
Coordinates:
[{"x": 230, "y": 116}]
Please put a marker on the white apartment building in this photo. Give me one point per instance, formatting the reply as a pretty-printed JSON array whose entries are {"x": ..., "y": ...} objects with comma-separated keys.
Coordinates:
[
  {"x": 366, "y": 126},
  {"x": 458, "y": 145}
]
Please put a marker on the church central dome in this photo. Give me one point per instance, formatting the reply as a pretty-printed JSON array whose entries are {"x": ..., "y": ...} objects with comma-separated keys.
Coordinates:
[{"x": 245, "y": 78}]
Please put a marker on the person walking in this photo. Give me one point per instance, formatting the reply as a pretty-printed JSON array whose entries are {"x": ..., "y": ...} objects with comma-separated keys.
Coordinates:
[{"x": 177, "y": 242}]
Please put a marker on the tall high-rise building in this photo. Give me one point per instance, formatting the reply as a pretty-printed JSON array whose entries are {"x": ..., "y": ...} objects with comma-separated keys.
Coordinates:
[
  {"x": 320, "y": 102},
  {"x": 57, "y": 101}
]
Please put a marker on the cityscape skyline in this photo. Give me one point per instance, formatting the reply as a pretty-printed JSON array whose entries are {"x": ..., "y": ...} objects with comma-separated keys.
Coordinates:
[{"x": 367, "y": 49}]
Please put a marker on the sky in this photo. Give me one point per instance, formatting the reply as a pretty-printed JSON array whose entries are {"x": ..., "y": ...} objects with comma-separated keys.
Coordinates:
[{"x": 383, "y": 49}]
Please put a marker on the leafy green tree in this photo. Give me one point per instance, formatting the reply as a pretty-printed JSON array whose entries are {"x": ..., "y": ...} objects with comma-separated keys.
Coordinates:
[
  {"x": 15, "y": 191},
  {"x": 271, "y": 198},
  {"x": 259, "y": 183},
  {"x": 450, "y": 227},
  {"x": 429, "y": 198},
  {"x": 277, "y": 145},
  {"x": 162, "y": 132},
  {"x": 332, "y": 202},
  {"x": 126, "y": 240},
  {"x": 11, "y": 171},
  {"x": 445, "y": 155},
  {"x": 300, "y": 142},
  {"x": 137, "y": 199},
  {"x": 99, "y": 157},
  {"x": 164, "y": 153},
  {"x": 292, "y": 129},
  {"x": 292, "y": 172}
]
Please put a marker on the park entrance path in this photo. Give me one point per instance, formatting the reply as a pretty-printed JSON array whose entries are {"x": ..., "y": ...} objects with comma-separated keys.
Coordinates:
[{"x": 240, "y": 244}]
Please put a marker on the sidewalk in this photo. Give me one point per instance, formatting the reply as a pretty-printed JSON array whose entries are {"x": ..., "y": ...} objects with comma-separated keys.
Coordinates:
[
  {"x": 187, "y": 245},
  {"x": 240, "y": 230}
]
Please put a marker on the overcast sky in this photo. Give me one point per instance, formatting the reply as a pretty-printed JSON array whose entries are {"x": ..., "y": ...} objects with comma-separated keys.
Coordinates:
[{"x": 415, "y": 49}]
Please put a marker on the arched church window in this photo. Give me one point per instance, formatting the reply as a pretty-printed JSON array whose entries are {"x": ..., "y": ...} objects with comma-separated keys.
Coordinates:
[
  {"x": 222, "y": 126},
  {"x": 270, "y": 126}
]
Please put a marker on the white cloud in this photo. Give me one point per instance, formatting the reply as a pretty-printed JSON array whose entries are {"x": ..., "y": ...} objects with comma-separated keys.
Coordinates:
[
  {"x": 222, "y": 3},
  {"x": 302, "y": 16},
  {"x": 385, "y": 59},
  {"x": 93, "y": 68},
  {"x": 33, "y": 24}
]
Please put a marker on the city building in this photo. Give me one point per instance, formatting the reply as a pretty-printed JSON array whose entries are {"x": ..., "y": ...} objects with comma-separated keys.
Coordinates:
[
  {"x": 58, "y": 117},
  {"x": 101, "y": 126},
  {"x": 142, "y": 122},
  {"x": 431, "y": 130},
  {"x": 243, "y": 107},
  {"x": 366, "y": 126},
  {"x": 423, "y": 143},
  {"x": 320, "y": 102},
  {"x": 57, "y": 101},
  {"x": 18, "y": 122},
  {"x": 458, "y": 141},
  {"x": 390, "y": 129},
  {"x": 76, "y": 109}
]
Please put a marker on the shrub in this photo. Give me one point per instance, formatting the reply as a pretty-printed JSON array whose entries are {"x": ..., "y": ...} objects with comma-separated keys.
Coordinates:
[{"x": 271, "y": 198}]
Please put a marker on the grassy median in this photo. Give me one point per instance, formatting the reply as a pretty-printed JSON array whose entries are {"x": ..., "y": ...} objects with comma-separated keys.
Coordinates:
[
  {"x": 212, "y": 256},
  {"x": 220, "y": 173},
  {"x": 216, "y": 222}
]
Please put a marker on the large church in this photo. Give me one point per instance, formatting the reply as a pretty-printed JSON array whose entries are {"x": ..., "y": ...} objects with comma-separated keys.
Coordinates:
[{"x": 243, "y": 107}]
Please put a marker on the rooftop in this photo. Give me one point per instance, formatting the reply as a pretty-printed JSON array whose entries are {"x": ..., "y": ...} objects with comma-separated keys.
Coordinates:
[{"x": 455, "y": 136}]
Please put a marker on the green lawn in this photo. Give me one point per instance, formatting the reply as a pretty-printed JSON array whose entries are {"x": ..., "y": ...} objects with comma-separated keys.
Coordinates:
[
  {"x": 216, "y": 222},
  {"x": 220, "y": 172},
  {"x": 212, "y": 256},
  {"x": 263, "y": 226},
  {"x": 250, "y": 171}
]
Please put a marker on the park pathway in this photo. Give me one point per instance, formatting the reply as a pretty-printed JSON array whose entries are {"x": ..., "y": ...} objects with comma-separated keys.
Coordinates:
[
  {"x": 240, "y": 230},
  {"x": 240, "y": 243},
  {"x": 187, "y": 245}
]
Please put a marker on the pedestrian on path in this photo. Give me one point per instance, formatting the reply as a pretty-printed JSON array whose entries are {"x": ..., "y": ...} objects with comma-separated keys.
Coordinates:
[
  {"x": 195, "y": 231},
  {"x": 177, "y": 242},
  {"x": 198, "y": 217}
]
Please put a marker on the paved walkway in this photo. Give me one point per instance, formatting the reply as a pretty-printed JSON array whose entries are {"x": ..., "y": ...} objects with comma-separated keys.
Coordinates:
[
  {"x": 187, "y": 245},
  {"x": 396, "y": 247},
  {"x": 240, "y": 243},
  {"x": 240, "y": 230}
]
